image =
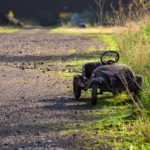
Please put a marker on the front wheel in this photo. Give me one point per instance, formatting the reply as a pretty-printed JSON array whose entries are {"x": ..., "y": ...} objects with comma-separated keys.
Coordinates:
[
  {"x": 94, "y": 94},
  {"x": 76, "y": 88}
]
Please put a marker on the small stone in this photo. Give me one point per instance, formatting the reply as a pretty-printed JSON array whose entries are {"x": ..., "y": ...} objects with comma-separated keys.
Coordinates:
[
  {"x": 19, "y": 148},
  {"x": 36, "y": 116},
  {"x": 6, "y": 144},
  {"x": 49, "y": 141},
  {"x": 38, "y": 133},
  {"x": 15, "y": 134},
  {"x": 21, "y": 67},
  {"x": 19, "y": 131},
  {"x": 39, "y": 142},
  {"x": 7, "y": 116},
  {"x": 75, "y": 112}
]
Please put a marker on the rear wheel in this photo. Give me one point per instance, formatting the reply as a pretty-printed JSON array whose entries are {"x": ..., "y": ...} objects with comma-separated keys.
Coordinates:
[
  {"x": 76, "y": 88},
  {"x": 94, "y": 94}
]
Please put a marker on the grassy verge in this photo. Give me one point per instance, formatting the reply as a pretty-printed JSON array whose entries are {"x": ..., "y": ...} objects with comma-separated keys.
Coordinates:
[
  {"x": 135, "y": 50},
  {"x": 110, "y": 127},
  {"x": 89, "y": 30},
  {"x": 115, "y": 123},
  {"x": 8, "y": 29}
]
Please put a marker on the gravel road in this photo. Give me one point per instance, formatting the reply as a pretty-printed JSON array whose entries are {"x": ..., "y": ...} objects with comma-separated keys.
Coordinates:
[{"x": 31, "y": 101}]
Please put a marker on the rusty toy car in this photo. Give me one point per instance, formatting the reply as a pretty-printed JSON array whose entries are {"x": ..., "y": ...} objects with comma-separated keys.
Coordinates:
[{"x": 107, "y": 76}]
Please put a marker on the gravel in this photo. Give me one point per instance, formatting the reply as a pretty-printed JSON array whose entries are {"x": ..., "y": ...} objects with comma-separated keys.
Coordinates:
[{"x": 31, "y": 101}]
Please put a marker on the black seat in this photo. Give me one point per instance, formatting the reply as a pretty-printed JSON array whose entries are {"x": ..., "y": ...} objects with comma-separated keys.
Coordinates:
[{"x": 89, "y": 68}]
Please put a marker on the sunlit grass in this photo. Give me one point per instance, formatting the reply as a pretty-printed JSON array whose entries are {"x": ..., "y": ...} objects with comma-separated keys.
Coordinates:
[
  {"x": 135, "y": 51},
  {"x": 88, "y": 30},
  {"x": 109, "y": 41},
  {"x": 8, "y": 30},
  {"x": 111, "y": 124}
]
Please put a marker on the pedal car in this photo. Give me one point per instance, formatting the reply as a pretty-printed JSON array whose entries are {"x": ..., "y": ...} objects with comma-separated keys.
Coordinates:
[{"x": 107, "y": 76}]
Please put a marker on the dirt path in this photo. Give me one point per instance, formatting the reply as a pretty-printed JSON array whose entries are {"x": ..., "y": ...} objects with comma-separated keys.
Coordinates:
[{"x": 31, "y": 101}]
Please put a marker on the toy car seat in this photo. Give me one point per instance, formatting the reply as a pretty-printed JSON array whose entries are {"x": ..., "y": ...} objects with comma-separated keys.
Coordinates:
[{"x": 89, "y": 68}]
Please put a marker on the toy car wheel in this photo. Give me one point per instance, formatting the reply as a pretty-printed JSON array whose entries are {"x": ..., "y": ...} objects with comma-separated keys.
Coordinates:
[
  {"x": 94, "y": 94},
  {"x": 76, "y": 88}
]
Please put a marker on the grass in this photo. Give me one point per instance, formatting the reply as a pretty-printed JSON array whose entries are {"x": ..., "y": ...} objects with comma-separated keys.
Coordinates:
[
  {"x": 89, "y": 30},
  {"x": 112, "y": 131},
  {"x": 115, "y": 122},
  {"x": 135, "y": 50},
  {"x": 8, "y": 30},
  {"x": 110, "y": 125},
  {"x": 109, "y": 40}
]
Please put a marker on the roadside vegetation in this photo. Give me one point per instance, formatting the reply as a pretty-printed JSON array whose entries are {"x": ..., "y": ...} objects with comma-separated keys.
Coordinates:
[
  {"x": 116, "y": 122},
  {"x": 134, "y": 46},
  {"x": 8, "y": 29}
]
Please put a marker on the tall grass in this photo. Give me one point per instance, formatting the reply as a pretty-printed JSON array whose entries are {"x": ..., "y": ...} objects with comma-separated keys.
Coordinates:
[{"x": 134, "y": 46}]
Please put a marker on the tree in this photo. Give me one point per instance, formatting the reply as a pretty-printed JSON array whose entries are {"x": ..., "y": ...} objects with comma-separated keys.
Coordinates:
[{"x": 98, "y": 9}]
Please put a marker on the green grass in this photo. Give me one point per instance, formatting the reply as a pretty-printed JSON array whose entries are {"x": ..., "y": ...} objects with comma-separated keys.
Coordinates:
[
  {"x": 8, "y": 30},
  {"x": 112, "y": 132},
  {"x": 134, "y": 48},
  {"x": 88, "y": 30},
  {"x": 109, "y": 41},
  {"x": 78, "y": 31},
  {"x": 111, "y": 124}
]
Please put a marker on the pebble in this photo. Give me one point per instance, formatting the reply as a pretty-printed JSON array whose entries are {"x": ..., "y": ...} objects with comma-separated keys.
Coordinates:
[
  {"x": 19, "y": 131},
  {"x": 19, "y": 148},
  {"x": 5, "y": 144}
]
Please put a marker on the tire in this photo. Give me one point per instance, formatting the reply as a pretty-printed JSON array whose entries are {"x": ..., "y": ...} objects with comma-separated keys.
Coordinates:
[
  {"x": 94, "y": 94},
  {"x": 76, "y": 88}
]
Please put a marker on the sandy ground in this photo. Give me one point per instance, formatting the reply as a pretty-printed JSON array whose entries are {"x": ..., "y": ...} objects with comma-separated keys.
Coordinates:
[{"x": 31, "y": 101}]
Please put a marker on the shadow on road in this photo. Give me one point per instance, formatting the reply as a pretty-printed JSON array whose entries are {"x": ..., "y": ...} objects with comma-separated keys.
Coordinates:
[
  {"x": 64, "y": 103},
  {"x": 22, "y": 129},
  {"x": 67, "y": 104},
  {"x": 30, "y": 58}
]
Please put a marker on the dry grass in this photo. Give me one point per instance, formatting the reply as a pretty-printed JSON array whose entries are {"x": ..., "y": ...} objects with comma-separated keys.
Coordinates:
[{"x": 135, "y": 47}]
